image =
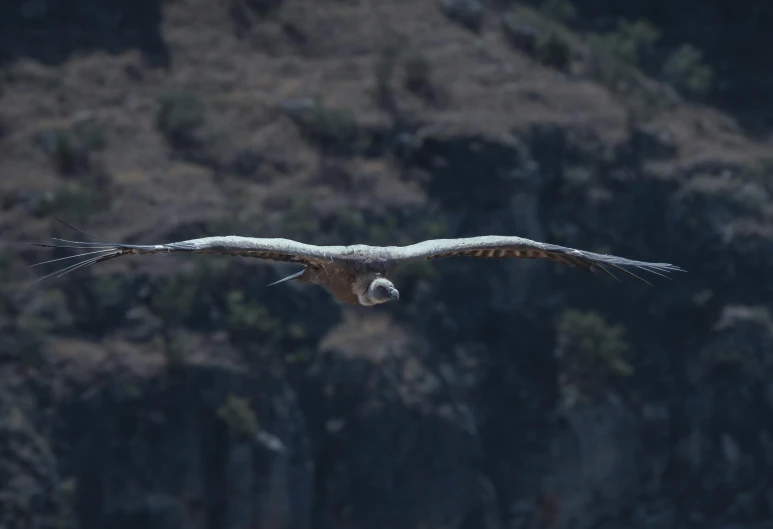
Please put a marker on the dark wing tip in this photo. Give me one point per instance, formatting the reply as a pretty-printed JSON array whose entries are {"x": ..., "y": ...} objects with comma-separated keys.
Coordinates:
[
  {"x": 81, "y": 264},
  {"x": 623, "y": 264},
  {"x": 87, "y": 234},
  {"x": 604, "y": 262},
  {"x": 98, "y": 252}
]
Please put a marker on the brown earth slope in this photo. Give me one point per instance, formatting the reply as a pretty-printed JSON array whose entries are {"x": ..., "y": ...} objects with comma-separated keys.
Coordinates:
[{"x": 175, "y": 392}]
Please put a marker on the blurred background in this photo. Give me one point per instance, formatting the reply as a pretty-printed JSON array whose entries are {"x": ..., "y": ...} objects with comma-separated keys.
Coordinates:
[{"x": 173, "y": 391}]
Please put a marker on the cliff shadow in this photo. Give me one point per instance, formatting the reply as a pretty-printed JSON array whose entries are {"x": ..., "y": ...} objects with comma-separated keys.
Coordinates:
[{"x": 52, "y": 31}]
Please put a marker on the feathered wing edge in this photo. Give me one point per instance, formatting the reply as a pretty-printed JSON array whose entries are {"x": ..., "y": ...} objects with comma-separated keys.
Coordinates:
[
  {"x": 271, "y": 249},
  {"x": 499, "y": 247},
  {"x": 292, "y": 251},
  {"x": 102, "y": 250}
]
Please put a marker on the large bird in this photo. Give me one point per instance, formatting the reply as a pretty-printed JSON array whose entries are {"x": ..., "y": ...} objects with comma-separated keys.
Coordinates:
[{"x": 358, "y": 274}]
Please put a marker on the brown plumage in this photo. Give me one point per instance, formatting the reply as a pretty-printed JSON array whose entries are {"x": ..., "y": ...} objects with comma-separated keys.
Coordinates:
[{"x": 359, "y": 274}]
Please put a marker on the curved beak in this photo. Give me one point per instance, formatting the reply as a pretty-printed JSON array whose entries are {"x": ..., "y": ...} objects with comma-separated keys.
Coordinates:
[{"x": 394, "y": 294}]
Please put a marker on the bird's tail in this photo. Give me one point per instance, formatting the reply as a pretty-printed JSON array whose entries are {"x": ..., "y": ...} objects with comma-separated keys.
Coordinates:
[{"x": 101, "y": 250}]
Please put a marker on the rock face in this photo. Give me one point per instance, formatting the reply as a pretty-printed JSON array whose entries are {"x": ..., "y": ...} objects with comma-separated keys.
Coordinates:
[
  {"x": 166, "y": 449},
  {"x": 168, "y": 392},
  {"x": 150, "y": 464}
]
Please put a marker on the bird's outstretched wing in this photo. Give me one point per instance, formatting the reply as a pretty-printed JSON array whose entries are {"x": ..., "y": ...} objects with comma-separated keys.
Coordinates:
[
  {"x": 498, "y": 247},
  {"x": 271, "y": 249}
]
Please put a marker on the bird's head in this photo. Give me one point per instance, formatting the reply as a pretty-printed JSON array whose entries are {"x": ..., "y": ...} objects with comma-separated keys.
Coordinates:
[{"x": 380, "y": 290}]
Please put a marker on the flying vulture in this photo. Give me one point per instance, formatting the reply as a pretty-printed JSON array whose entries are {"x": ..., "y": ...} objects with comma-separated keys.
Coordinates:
[{"x": 358, "y": 274}]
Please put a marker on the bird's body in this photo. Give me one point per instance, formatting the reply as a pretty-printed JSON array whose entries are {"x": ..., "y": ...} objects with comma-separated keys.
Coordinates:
[
  {"x": 348, "y": 277},
  {"x": 359, "y": 274}
]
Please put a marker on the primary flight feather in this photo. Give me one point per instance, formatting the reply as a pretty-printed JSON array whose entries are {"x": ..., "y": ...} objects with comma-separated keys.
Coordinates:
[{"x": 358, "y": 274}]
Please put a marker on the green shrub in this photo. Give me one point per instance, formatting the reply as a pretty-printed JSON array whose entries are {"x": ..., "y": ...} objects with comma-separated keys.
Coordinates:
[
  {"x": 66, "y": 156},
  {"x": 90, "y": 134},
  {"x": 595, "y": 342},
  {"x": 686, "y": 70},
  {"x": 616, "y": 54},
  {"x": 521, "y": 35},
  {"x": 248, "y": 320},
  {"x": 591, "y": 353},
  {"x": 418, "y": 74},
  {"x": 237, "y": 413},
  {"x": 180, "y": 117},
  {"x": 174, "y": 299},
  {"x": 544, "y": 40},
  {"x": 616, "y": 59},
  {"x": 332, "y": 129},
  {"x": 631, "y": 42},
  {"x": 70, "y": 148},
  {"x": 552, "y": 50}
]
